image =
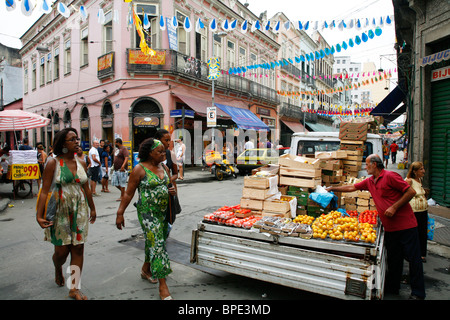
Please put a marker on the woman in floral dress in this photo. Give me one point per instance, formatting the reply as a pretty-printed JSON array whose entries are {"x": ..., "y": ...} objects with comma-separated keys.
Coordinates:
[
  {"x": 69, "y": 228},
  {"x": 151, "y": 179}
]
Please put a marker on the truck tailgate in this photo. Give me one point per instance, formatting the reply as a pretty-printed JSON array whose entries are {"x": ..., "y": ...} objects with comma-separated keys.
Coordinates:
[{"x": 340, "y": 270}]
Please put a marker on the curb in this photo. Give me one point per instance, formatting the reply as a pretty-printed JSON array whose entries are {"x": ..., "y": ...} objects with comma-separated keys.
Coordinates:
[{"x": 4, "y": 204}]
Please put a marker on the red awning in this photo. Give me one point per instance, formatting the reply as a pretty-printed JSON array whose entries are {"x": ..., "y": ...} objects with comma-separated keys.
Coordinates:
[
  {"x": 199, "y": 106},
  {"x": 295, "y": 126}
]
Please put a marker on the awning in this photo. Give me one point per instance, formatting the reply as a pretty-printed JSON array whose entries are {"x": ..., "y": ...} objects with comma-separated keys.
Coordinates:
[
  {"x": 199, "y": 106},
  {"x": 295, "y": 126},
  {"x": 395, "y": 114},
  {"x": 244, "y": 118},
  {"x": 389, "y": 103},
  {"x": 318, "y": 127}
]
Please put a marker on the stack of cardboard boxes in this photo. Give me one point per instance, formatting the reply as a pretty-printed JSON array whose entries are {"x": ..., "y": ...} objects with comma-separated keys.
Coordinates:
[
  {"x": 359, "y": 201},
  {"x": 352, "y": 136},
  {"x": 257, "y": 189}
]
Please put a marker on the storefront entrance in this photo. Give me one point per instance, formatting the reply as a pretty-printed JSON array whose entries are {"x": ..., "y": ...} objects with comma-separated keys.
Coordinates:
[{"x": 146, "y": 114}]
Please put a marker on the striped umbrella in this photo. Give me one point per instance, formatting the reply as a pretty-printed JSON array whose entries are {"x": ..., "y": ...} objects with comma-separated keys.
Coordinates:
[{"x": 12, "y": 120}]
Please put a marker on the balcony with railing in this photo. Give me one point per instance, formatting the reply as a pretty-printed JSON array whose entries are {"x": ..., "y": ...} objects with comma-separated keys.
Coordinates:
[
  {"x": 172, "y": 62},
  {"x": 299, "y": 74}
]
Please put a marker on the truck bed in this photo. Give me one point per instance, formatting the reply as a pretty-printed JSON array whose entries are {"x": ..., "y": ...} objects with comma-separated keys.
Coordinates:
[{"x": 334, "y": 268}]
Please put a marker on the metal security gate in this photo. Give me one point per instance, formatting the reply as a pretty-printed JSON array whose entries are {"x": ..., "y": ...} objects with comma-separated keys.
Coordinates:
[{"x": 440, "y": 142}]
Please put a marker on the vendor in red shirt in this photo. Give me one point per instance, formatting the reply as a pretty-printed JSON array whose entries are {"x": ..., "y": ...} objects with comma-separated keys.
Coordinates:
[
  {"x": 391, "y": 195},
  {"x": 394, "y": 149}
]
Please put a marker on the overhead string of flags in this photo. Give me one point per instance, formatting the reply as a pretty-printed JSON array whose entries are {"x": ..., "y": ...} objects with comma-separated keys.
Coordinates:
[{"x": 27, "y": 7}]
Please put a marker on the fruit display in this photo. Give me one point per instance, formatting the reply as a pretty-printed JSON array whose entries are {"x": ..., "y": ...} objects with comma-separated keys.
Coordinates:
[
  {"x": 340, "y": 225},
  {"x": 304, "y": 219},
  {"x": 368, "y": 216},
  {"x": 336, "y": 227}
]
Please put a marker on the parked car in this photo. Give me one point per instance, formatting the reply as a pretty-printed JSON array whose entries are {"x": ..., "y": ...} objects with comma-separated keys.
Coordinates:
[{"x": 254, "y": 158}]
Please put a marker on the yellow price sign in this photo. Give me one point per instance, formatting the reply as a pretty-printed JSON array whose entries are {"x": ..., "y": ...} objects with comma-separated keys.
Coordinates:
[{"x": 25, "y": 171}]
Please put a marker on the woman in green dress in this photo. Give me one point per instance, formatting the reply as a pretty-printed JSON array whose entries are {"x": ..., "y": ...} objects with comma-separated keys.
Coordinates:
[
  {"x": 151, "y": 179},
  {"x": 69, "y": 228}
]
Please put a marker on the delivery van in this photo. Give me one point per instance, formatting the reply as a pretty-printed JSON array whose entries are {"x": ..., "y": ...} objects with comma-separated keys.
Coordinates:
[{"x": 308, "y": 143}]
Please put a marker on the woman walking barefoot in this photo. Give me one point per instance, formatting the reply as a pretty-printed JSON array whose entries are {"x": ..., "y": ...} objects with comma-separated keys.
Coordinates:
[
  {"x": 151, "y": 179},
  {"x": 69, "y": 228}
]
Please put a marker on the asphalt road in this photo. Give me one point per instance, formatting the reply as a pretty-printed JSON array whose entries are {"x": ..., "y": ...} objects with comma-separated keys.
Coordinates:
[{"x": 113, "y": 258}]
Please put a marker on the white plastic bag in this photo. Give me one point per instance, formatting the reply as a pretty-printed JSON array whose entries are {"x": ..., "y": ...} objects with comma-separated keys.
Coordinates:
[{"x": 431, "y": 202}]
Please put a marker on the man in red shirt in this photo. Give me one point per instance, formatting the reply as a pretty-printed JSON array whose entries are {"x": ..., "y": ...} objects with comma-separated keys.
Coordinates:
[
  {"x": 391, "y": 195},
  {"x": 394, "y": 149}
]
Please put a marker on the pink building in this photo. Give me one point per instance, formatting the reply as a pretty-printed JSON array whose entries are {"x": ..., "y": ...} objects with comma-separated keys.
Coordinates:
[{"x": 91, "y": 75}]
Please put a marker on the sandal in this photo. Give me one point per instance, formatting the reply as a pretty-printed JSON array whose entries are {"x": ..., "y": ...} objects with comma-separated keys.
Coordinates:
[
  {"x": 59, "y": 279},
  {"x": 77, "y": 294},
  {"x": 148, "y": 278},
  {"x": 167, "y": 298}
]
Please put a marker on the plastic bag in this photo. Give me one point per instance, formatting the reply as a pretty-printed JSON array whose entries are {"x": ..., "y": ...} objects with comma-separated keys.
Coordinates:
[
  {"x": 431, "y": 202},
  {"x": 430, "y": 229},
  {"x": 324, "y": 199}
]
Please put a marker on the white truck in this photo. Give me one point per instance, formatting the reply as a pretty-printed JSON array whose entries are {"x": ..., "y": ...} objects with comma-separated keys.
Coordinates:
[
  {"x": 339, "y": 269},
  {"x": 307, "y": 143}
]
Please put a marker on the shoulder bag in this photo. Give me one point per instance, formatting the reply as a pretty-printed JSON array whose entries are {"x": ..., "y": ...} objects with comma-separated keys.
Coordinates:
[
  {"x": 174, "y": 207},
  {"x": 52, "y": 197}
]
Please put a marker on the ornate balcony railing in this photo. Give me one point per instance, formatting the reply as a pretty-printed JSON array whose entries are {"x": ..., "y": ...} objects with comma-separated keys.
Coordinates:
[{"x": 173, "y": 62}]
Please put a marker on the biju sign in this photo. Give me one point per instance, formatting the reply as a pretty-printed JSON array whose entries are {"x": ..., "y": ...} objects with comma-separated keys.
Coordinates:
[{"x": 440, "y": 74}]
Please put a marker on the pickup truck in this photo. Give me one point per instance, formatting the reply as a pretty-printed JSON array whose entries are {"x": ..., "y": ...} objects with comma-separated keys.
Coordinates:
[
  {"x": 327, "y": 267},
  {"x": 307, "y": 143}
]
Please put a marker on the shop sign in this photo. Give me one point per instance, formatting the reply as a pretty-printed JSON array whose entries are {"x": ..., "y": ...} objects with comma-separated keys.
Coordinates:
[
  {"x": 107, "y": 123},
  {"x": 440, "y": 74},
  {"x": 146, "y": 121},
  {"x": 172, "y": 35},
  {"x": 84, "y": 124},
  {"x": 105, "y": 63},
  {"x": 25, "y": 171},
  {"x": 436, "y": 57},
  {"x": 270, "y": 122},
  {"x": 263, "y": 111},
  {"x": 138, "y": 57}
]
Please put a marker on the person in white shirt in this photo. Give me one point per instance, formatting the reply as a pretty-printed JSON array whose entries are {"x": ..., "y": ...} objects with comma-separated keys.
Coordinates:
[
  {"x": 94, "y": 171},
  {"x": 248, "y": 144}
]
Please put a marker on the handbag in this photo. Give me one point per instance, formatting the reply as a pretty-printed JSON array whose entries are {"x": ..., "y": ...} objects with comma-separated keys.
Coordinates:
[
  {"x": 52, "y": 198},
  {"x": 174, "y": 206}
]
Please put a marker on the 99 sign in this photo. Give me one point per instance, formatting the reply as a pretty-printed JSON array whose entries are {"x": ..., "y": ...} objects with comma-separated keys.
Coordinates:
[{"x": 25, "y": 171}]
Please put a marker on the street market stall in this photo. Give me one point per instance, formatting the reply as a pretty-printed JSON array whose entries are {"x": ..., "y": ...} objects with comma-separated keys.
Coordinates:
[
  {"x": 289, "y": 230},
  {"x": 22, "y": 164}
]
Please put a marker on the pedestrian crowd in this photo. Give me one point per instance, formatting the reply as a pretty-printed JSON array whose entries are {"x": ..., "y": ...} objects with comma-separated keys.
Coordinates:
[{"x": 71, "y": 178}]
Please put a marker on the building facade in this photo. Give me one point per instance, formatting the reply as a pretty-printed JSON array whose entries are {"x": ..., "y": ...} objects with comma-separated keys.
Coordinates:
[
  {"x": 91, "y": 74},
  {"x": 423, "y": 55}
]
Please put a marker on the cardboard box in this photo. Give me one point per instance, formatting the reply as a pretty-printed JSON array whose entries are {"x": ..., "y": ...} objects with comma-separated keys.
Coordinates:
[
  {"x": 302, "y": 198},
  {"x": 353, "y": 136},
  {"x": 333, "y": 179},
  {"x": 277, "y": 206},
  {"x": 363, "y": 208},
  {"x": 350, "y": 200},
  {"x": 353, "y": 147},
  {"x": 338, "y": 154},
  {"x": 351, "y": 207},
  {"x": 260, "y": 182},
  {"x": 299, "y": 189},
  {"x": 296, "y": 172},
  {"x": 275, "y": 214},
  {"x": 364, "y": 194},
  {"x": 332, "y": 165},
  {"x": 258, "y": 194},
  {"x": 363, "y": 202},
  {"x": 298, "y": 162},
  {"x": 354, "y": 153},
  {"x": 252, "y": 204},
  {"x": 300, "y": 182},
  {"x": 272, "y": 169},
  {"x": 358, "y": 127}
]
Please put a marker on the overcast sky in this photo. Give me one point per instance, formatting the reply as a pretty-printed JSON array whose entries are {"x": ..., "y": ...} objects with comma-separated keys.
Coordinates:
[{"x": 14, "y": 24}]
